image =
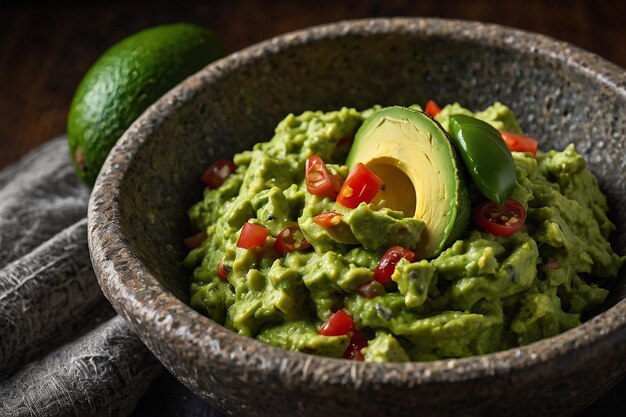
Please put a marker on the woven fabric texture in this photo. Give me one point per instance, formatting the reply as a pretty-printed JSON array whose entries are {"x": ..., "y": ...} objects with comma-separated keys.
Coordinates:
[{"x": 63, "y": 350}]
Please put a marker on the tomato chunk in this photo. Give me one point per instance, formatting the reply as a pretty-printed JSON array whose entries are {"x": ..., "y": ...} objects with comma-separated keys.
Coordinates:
[
  {"x": 552, "y": 264},
  {"x": 290, "y": 239},
  {"x": 357, "y": 343},
  {"x": 520, "y": 143},
  {"x": 345, "y": 142},
  {"x": 338, "y": 324},
  {"x": 371, "y": 289},
  {"x": 215, "y": 175},
  {"x": 498, "y": 220},
  {"x": 318, "y": 180},
  {"x": 432, "y": 109},
  {"x": 194, "y": 241},
  {"x": 252, "y": 236},
  {"x": 327, "y": 220},
  {"x": 387, "y": 264},
  {"x": 361, "y": 186},
  {"x": 222, "y": 271}
]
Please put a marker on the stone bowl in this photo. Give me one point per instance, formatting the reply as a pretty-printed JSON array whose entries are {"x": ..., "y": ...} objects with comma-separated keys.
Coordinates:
[{"x": 137, "y": 213}]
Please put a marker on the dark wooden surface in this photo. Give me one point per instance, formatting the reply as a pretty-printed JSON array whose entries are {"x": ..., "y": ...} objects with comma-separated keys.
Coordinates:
[{"x": 46, "y": 47}]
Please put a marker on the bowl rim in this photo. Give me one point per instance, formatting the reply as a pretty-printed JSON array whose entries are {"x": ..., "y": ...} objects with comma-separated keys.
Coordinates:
[{"x": 137, "y": 295}]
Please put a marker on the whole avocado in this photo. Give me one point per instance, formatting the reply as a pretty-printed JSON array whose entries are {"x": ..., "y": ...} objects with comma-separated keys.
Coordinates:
[{"x": 125, "y": 81}]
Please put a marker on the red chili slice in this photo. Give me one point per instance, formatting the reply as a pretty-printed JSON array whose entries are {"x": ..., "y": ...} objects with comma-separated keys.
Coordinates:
[
  {"x": 252, "y": 236},
  {"x": 286, "y": 240},
  {"x": 194, "y": 241},
  {"x": 215, "y": 175},
  {"x": 318, "y": 180},
  {"x": 520, "y": 143},
  {"x": 223, "y": 271},
  {"x": 361, "y": 186},
  {"x": 357, "y": 343},
  {"x": 432, "y": 108},
  {"x": 387, "y": 264},
  {"x": 498, "y": 220},
  {"x": 338, "y": 324},
  {"x": 327, "y": 220}
]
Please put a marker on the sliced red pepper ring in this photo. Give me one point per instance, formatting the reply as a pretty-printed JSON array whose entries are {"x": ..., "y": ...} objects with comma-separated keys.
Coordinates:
[
  {"x": 194, "y": 241},
  {"x": 432, "y": 109},
  {"x": 361, "y": 186},
  {"x": 387, "y": 264},
  {"x": 215, "y": 175},
  {"x": 338, "y": 324},
  {"x": 520, "y": 143},
  {"x": 357, "y": 343},
  {"x": 223, "y": 270},
  {"x": 252, "y": 236},
  {"x": 318, "y": 180},
  {"x": 327, "y": 220},
  {"x": 288, "y": 240},
  {"x": 498, "y": 220}
]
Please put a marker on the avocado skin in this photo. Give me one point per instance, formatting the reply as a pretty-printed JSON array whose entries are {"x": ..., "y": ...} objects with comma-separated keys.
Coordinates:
[
  {"x": 458, "y": 210},
  {"x": 125, "y": 80}
]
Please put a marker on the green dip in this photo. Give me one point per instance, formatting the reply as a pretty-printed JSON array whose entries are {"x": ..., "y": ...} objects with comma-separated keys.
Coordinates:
[{"x": 481, "y": 294}]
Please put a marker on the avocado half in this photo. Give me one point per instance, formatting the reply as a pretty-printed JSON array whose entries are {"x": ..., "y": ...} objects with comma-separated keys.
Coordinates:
[{"x": 414, "y": 157}]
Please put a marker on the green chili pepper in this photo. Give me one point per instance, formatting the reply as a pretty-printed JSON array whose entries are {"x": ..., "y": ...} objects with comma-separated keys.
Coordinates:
[{"x": 485, "y": 155}]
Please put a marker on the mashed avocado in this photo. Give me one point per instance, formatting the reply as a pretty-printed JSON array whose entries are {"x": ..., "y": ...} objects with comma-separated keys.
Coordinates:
[{"x": 481, "y": 294}]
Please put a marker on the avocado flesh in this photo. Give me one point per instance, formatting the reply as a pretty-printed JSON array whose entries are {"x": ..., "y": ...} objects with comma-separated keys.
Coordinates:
[{"x": 414, "y": 157}]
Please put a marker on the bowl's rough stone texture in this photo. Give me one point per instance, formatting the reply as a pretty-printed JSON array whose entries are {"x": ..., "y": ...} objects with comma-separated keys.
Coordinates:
[{"x": 138, "y": 212}]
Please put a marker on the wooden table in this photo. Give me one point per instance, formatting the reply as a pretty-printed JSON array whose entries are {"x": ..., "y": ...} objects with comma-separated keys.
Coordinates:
[{"x": 46, "y": 49}]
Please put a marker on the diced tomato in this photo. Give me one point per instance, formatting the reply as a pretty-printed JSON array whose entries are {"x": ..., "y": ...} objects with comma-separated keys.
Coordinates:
[
  {"x": 357, "y": 343},
  {"x": 217, "y": 173},
  {"x": 194, "y": 241},
  {"x": 387, "y": 264},
  {"x": 498, "y": 220},
  {"x": 552, "y": 263},
  {"x": 432, "y": 109},
  {"x": 338, "y": 324},
  {"x": 319, "y": 181},
  {"x": 252, "y": 236},
  {"x": 327, "y": 220},
  {"x": 520, "y": 143},
  {"x": 345, "y": 141},
  {"x": 286, "y": 241},
  {"x": 361, "y": 186},
  {"x": 371, "y": 289},
  {"x": 222, "y": 271}
]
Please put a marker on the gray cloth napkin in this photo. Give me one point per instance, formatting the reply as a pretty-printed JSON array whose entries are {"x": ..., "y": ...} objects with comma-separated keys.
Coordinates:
[{"x": 63, "y": 350}]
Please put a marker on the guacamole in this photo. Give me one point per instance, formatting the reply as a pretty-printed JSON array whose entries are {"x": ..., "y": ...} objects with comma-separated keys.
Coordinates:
[{"x": 305, "y": 257}]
